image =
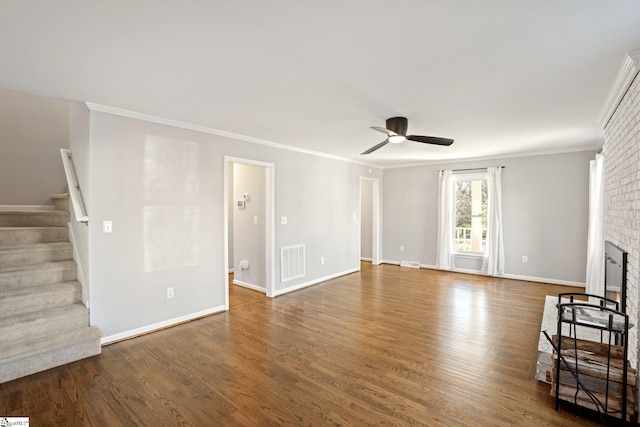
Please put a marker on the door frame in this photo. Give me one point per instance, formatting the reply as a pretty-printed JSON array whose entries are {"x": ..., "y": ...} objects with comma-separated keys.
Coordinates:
[{"x": 269, "y": 221}]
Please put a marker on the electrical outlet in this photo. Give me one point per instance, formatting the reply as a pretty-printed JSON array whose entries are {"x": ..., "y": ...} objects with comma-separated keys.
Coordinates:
[
  {"x": 525, "y": 259},
  {"x": 169, "y": 293}
]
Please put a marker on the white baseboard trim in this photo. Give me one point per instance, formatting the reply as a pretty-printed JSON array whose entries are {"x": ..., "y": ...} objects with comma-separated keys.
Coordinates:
[
  {"x": 366, "y": 259},
  {"x": 159, "y": 325},
  {"x": 543, "y": 280},
  {"x": 454, "y": 270},
  {"x": 313, "y": 282},
  {"x": 386, "y": 261},
  {"x": 231, "y": 270},
  {"x": 27, "y": 207},
  {"x": 249, "y": 286},
  {"x": 505, "y": 276}
]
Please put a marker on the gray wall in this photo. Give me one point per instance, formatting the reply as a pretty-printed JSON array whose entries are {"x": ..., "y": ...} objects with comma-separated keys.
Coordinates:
[
  {"x": 33, "y": 129},
  {"x": 168, "y": 228},
  {"x": 545, "y": 214},
  {"x": 320, "y": 198},
  {"x": 366, "y": 218},
  {"x": 249, "y": 235},
  {"x": 79, "y": 137}
]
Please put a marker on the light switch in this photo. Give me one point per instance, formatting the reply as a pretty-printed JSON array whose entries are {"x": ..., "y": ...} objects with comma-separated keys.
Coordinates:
[
  {"x": 255, "y": 219},
  {"x": 107, "y": 227},
  {"x": 283, "y": 220}
]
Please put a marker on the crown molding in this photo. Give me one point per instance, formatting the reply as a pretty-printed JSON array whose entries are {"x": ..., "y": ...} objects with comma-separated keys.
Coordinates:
[
  {"x": 175, "y": 123},
  {"x": 494, "y": 157},
  {"x": 628, "y": 71}
]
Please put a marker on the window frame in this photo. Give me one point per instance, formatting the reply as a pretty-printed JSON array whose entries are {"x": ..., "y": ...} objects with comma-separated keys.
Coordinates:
[{"x": 467, "y": 176}]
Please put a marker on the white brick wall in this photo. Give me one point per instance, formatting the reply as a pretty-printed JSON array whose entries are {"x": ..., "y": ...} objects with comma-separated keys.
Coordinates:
[{"x": 622, "y": 196}]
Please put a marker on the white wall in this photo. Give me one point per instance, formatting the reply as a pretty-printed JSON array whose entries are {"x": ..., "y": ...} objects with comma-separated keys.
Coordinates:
[
  {"x": 33, "y": 129},
  {"x": 545, "y": 201},
  {"x": 162, "y": 187},
  {"x": 249, "y": 225}
]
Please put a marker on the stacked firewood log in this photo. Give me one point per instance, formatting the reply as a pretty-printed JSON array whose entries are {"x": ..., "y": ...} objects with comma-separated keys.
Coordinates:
[{"x": 594, "y": 362}]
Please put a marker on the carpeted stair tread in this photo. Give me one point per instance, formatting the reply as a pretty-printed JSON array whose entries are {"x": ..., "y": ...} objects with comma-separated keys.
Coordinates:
[
  {"x": 56, "y": 265},
  {"x": 25, "y": 299},
  {"x": 28, "y": 365},
  {"x": 13, "y": 236},
  {"x": 49, "y": 272},
  {"x": 41, "y": 323},
  {"x": 29, "y": 347},
  {"x": 34, "y": 247},
  {"x": 34, "y": 218},
  {"x": 35, "y": 253}
]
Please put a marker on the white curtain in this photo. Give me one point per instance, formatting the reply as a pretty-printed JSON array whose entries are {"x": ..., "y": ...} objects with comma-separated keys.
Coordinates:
[
  {"x": 493, "y": 262},
  {"x": 595, "y": 235},
  {"x": 445, "y": 221}
]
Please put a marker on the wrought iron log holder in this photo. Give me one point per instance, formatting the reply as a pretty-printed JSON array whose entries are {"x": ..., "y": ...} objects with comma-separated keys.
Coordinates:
[{"x": 614, "y": 326}]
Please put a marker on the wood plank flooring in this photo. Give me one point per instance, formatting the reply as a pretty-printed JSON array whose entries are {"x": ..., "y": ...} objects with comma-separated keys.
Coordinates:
[{"x": 385, "y": 346}]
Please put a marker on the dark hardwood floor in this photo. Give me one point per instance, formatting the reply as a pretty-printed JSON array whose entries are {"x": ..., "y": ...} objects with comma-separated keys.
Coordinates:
[{"x": 385, "y": 346}]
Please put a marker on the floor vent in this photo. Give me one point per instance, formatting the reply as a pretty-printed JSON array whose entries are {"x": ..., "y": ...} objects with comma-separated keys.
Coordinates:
[
  {"x": 291, "y": 262},
  {"x": 412, "y": 264}
]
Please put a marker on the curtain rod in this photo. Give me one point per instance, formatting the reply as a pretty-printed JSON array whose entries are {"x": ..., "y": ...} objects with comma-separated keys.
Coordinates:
[{"x": 471, "y": 169}]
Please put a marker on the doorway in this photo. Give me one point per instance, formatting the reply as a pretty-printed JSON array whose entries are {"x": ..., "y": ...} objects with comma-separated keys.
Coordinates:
[
  {"x": 370, "y": 220},
  {"x": 249, "y": 224}
]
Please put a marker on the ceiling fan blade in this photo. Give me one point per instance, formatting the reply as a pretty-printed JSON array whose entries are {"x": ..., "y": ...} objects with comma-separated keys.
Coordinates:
[
  {"x": 372, "y": 149},
  {"x": 383, "y": 130},
  {"x": 430, "y": 139}
]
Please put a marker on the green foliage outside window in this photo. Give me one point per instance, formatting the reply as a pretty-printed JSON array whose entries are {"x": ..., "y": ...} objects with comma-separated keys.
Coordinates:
[{"x": 467, "y": 214}]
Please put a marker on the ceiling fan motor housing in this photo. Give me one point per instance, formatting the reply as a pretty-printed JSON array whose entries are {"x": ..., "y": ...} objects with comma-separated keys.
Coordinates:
[{"x": 397, "y": 125}]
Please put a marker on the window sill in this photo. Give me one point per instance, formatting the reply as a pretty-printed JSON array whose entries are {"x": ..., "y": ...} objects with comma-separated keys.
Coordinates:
[{"x": 470, "y": 255}]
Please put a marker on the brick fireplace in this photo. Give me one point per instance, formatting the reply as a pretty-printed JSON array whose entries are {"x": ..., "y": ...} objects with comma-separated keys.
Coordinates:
[{"x": 620, "y": 120}]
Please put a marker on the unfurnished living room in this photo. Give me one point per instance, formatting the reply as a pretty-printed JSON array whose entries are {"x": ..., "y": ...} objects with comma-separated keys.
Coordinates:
[{"x": 319, "y": 213}]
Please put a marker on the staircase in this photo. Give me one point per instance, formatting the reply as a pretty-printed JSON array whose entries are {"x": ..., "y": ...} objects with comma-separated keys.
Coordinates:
[{"x": 43, "y": 322}]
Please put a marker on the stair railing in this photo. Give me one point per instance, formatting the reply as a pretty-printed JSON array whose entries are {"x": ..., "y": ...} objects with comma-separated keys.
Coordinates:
[{"x": 77, "y": 202}]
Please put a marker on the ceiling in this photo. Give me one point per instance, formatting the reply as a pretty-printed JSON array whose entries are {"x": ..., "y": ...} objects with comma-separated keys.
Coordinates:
[{"x": 501, "y": 77}]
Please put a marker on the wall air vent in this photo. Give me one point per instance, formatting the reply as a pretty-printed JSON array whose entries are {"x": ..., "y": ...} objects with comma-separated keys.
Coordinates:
[
  {"x": 291, "y": 262},
  {"x": 412, "y": 264}
]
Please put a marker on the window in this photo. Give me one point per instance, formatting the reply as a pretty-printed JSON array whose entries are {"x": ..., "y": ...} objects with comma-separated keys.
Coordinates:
[{"x": 470, "y": 232}]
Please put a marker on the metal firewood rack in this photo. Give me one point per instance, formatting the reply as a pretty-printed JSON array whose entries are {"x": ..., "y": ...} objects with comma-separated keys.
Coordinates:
[{"x": 604, "y": 364}]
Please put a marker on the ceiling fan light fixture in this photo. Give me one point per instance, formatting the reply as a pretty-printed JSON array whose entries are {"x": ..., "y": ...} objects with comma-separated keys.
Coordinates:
[
  {"x": 397, "y": 139},
  {"x": 396, "y": 131}
]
